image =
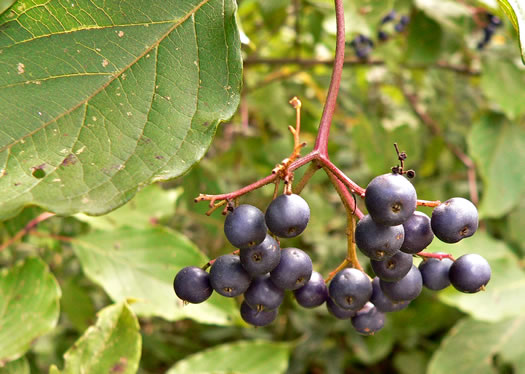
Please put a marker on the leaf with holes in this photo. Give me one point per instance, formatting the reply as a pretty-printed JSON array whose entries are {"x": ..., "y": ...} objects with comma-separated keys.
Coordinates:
[
  {"x": 246, "y": 357},
  {"x": 113, "y": 345},
  {"x": 97, "y": 102},
  {"x": 515, "y": 10},
  {"x": 141, "y": 264},
  {"x": 29, "y": 306}
]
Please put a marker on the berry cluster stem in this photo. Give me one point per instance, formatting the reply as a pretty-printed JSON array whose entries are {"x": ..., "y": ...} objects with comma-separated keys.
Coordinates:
[
  {"x": 439, "y": 256},
  {"x": 30, "y": 226}
]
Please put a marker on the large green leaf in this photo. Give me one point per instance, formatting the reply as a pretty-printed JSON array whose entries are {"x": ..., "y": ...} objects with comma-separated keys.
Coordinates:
[
  {"x": 505, "y": 293},
  {"x": 149, "y": 205},
  {"x": 471, "y": 347},
  {"x": 113, "y": 345},
  {"x": 502, "y": 82},
  {"x": 498, "y": 146},
  {"x": 141, "y": 264},
  {"x": 515, "y": 10},
  {"x": 100, "y": 100},
  {"x": 243, "y": 357},
  {"x": 29, "y": 306},
  {"x": 20, "y": 366}
]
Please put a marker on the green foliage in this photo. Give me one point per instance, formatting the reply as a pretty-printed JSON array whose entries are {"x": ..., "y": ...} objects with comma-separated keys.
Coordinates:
[
  {"x": 113, "y": 345},
  {"x": 250, "y": 357},
  {"x": 29, "y": 306},
  {"x": 109, "y": 117},
  {"x": 100, "y": 99}
]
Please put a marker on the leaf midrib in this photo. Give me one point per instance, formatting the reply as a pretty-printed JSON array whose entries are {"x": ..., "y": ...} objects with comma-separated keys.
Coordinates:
[{"x": 112, "y": 79}]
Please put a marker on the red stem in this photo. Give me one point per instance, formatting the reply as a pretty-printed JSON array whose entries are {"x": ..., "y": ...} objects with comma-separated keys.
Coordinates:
[
  {"x": 30, "y": 225},
  {"x": 321, "y": 142},
  {"x": 439, "y": 256}
]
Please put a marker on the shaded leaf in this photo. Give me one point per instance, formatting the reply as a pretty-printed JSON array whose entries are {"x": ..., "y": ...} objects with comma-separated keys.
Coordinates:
[
  {"x": 471, "y": 347},
  {"x": 113, "y": 345},
  {"x": 498, "y": 147},
  {"x": 505, "y": 293},
  {"x": 20, "y": 366},
  {"x": 515, "y": 10},
  {"x": 149, "y": 205},
  {"x": 424, "y": 39},
  {"x": 243, "y": 357},
  {"x": 502, "y": 82},
  {"x": 141, "y": 264},
  {"x": 29, "y": 306},
  {"x": 125, "y": 97},
  {"x": 5, "y": 4},
  {"x": 77, "y": 305}
]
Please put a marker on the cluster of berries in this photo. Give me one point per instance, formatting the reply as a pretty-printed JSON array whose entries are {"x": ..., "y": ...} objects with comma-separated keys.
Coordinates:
[
  {"x": 493, "y": 22},
  {"x": 363, "y": 45},
  {"x": 389, "y": 235}
]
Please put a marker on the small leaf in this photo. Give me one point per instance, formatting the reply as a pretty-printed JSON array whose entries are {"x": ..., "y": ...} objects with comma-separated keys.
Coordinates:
[
  {"x": 471, "y": 347},
  {"x": 515, "y": 10},
  {"x": 505, "y": 293},
  {"x": 99, "y": 101},
  {"x": 20, "y": 366},
  {"x": 497, "y": 145},
  {"x": 243, "y": 357},
  {"x": 113, "y": 345},
  {"x": 29, "y": 306},
  {"x": 149, "y": 205},
  {"x": 424, "y": 40},
  {"x": 141, "y": 264}
]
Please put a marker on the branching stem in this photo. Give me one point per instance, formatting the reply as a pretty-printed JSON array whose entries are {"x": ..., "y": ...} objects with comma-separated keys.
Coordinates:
[{"x": 30, "y": 225}]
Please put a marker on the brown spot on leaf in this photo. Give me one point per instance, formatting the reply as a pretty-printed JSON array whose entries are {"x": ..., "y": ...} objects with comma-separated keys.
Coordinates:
[
  {"x": 120, "y": 366},
  {"x": 159, "y": 157},
  {"x": 70, "y": 159},
  {"x": 205, "y": 124}
]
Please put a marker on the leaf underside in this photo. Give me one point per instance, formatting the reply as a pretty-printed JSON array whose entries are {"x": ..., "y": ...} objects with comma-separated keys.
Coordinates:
[{"x": 98, "y": 98}]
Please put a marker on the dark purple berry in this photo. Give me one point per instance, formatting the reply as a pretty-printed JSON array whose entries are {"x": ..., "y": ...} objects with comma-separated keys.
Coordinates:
[
  {"x": 418, "y": 233},
  {"x": 313, "y": 293},
  {"x": 382, "y": 35},
  {"x": 470, "y": 273},
  {"x": 293, "y": 271},
  {"x": 228, "y": 277},
  {"x": 350, "y": 289},
  {"x": 263, "y": 294},
  {"x": 377, "y": 241},
  {"x": 390, "y": 199},
  {"x": 245, "y": 227},
  {"x": 383, "y": 303},
  {"x": 389, "y": 17},
  {"x": 262, "y": 258},
  {"x": 435, "y": 273},
  {"x": 368, "y": 320},
  {"x": 407, "y": 288},
  {"x": 287, "y": 216},
  {"x": 455, "y": 219},
  {"x": 394, "y": 268},
  {"x": 337, "y": 311},
  {"x": 192, "y": 284},
  {"x": 257, "y": 317}
]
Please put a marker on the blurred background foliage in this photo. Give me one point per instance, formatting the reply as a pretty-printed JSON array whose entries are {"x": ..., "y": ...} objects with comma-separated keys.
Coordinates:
[{"x": 452, "y": 107}]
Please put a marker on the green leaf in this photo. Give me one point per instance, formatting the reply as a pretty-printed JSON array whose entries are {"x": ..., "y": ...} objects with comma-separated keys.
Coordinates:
[
  {"x": 505, "y": 293},
  {"x": 444, "y": 11},
  {"x": 5, "y": 4},
  {"x": 243, "y": 357},
  {"x": 497, "y": 145},
  {"x": 502, "y": 82},
  {"x": 20, "y": 366},
  {"x": 77, "y": 305},
  {"x": 104, "y": 100},
  {"x": 149, "y": 205},
  {"x": 515, "y": 10},
  {"x": 141, "y": 264},
  {"x": 113, "y": 345},
  {"x": 471, "y": 347},
  {"x": 29, "y": 306},
  {"x": 424, "y": 40}
]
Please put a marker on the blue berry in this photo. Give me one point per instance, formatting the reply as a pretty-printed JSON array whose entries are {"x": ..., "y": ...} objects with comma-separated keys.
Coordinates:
[
  {"x": 262, "y": 258},
  {"x": 368, "y": 320},
  {"x": 245, "y": 227},
  {"x": 337, "y": 311},
  {"x": 313, "y": 293},
  {"x": 390, "y": 199},
  {"x": 293, "y": 271},
  {"x": 192, "y": 284},
  {"x": 435, "y": 273},
  {"x": 350, "y": 289},
  {"x": 470, "y": 273},
  {"x": 228, "y": 277},
  {"x": 418, "y": 233},
  {"x": 257, "y": 317},
  {"x": 394, "y": 268},
  {"x": 455, "y": 219},
  {"x": 287, "y": 216},
  {"x": 378, "y": 241},
  {"x": 406, "y": 289},
  {"x": 263, "y": 294},
  {"x": 383, "y": 303}
]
